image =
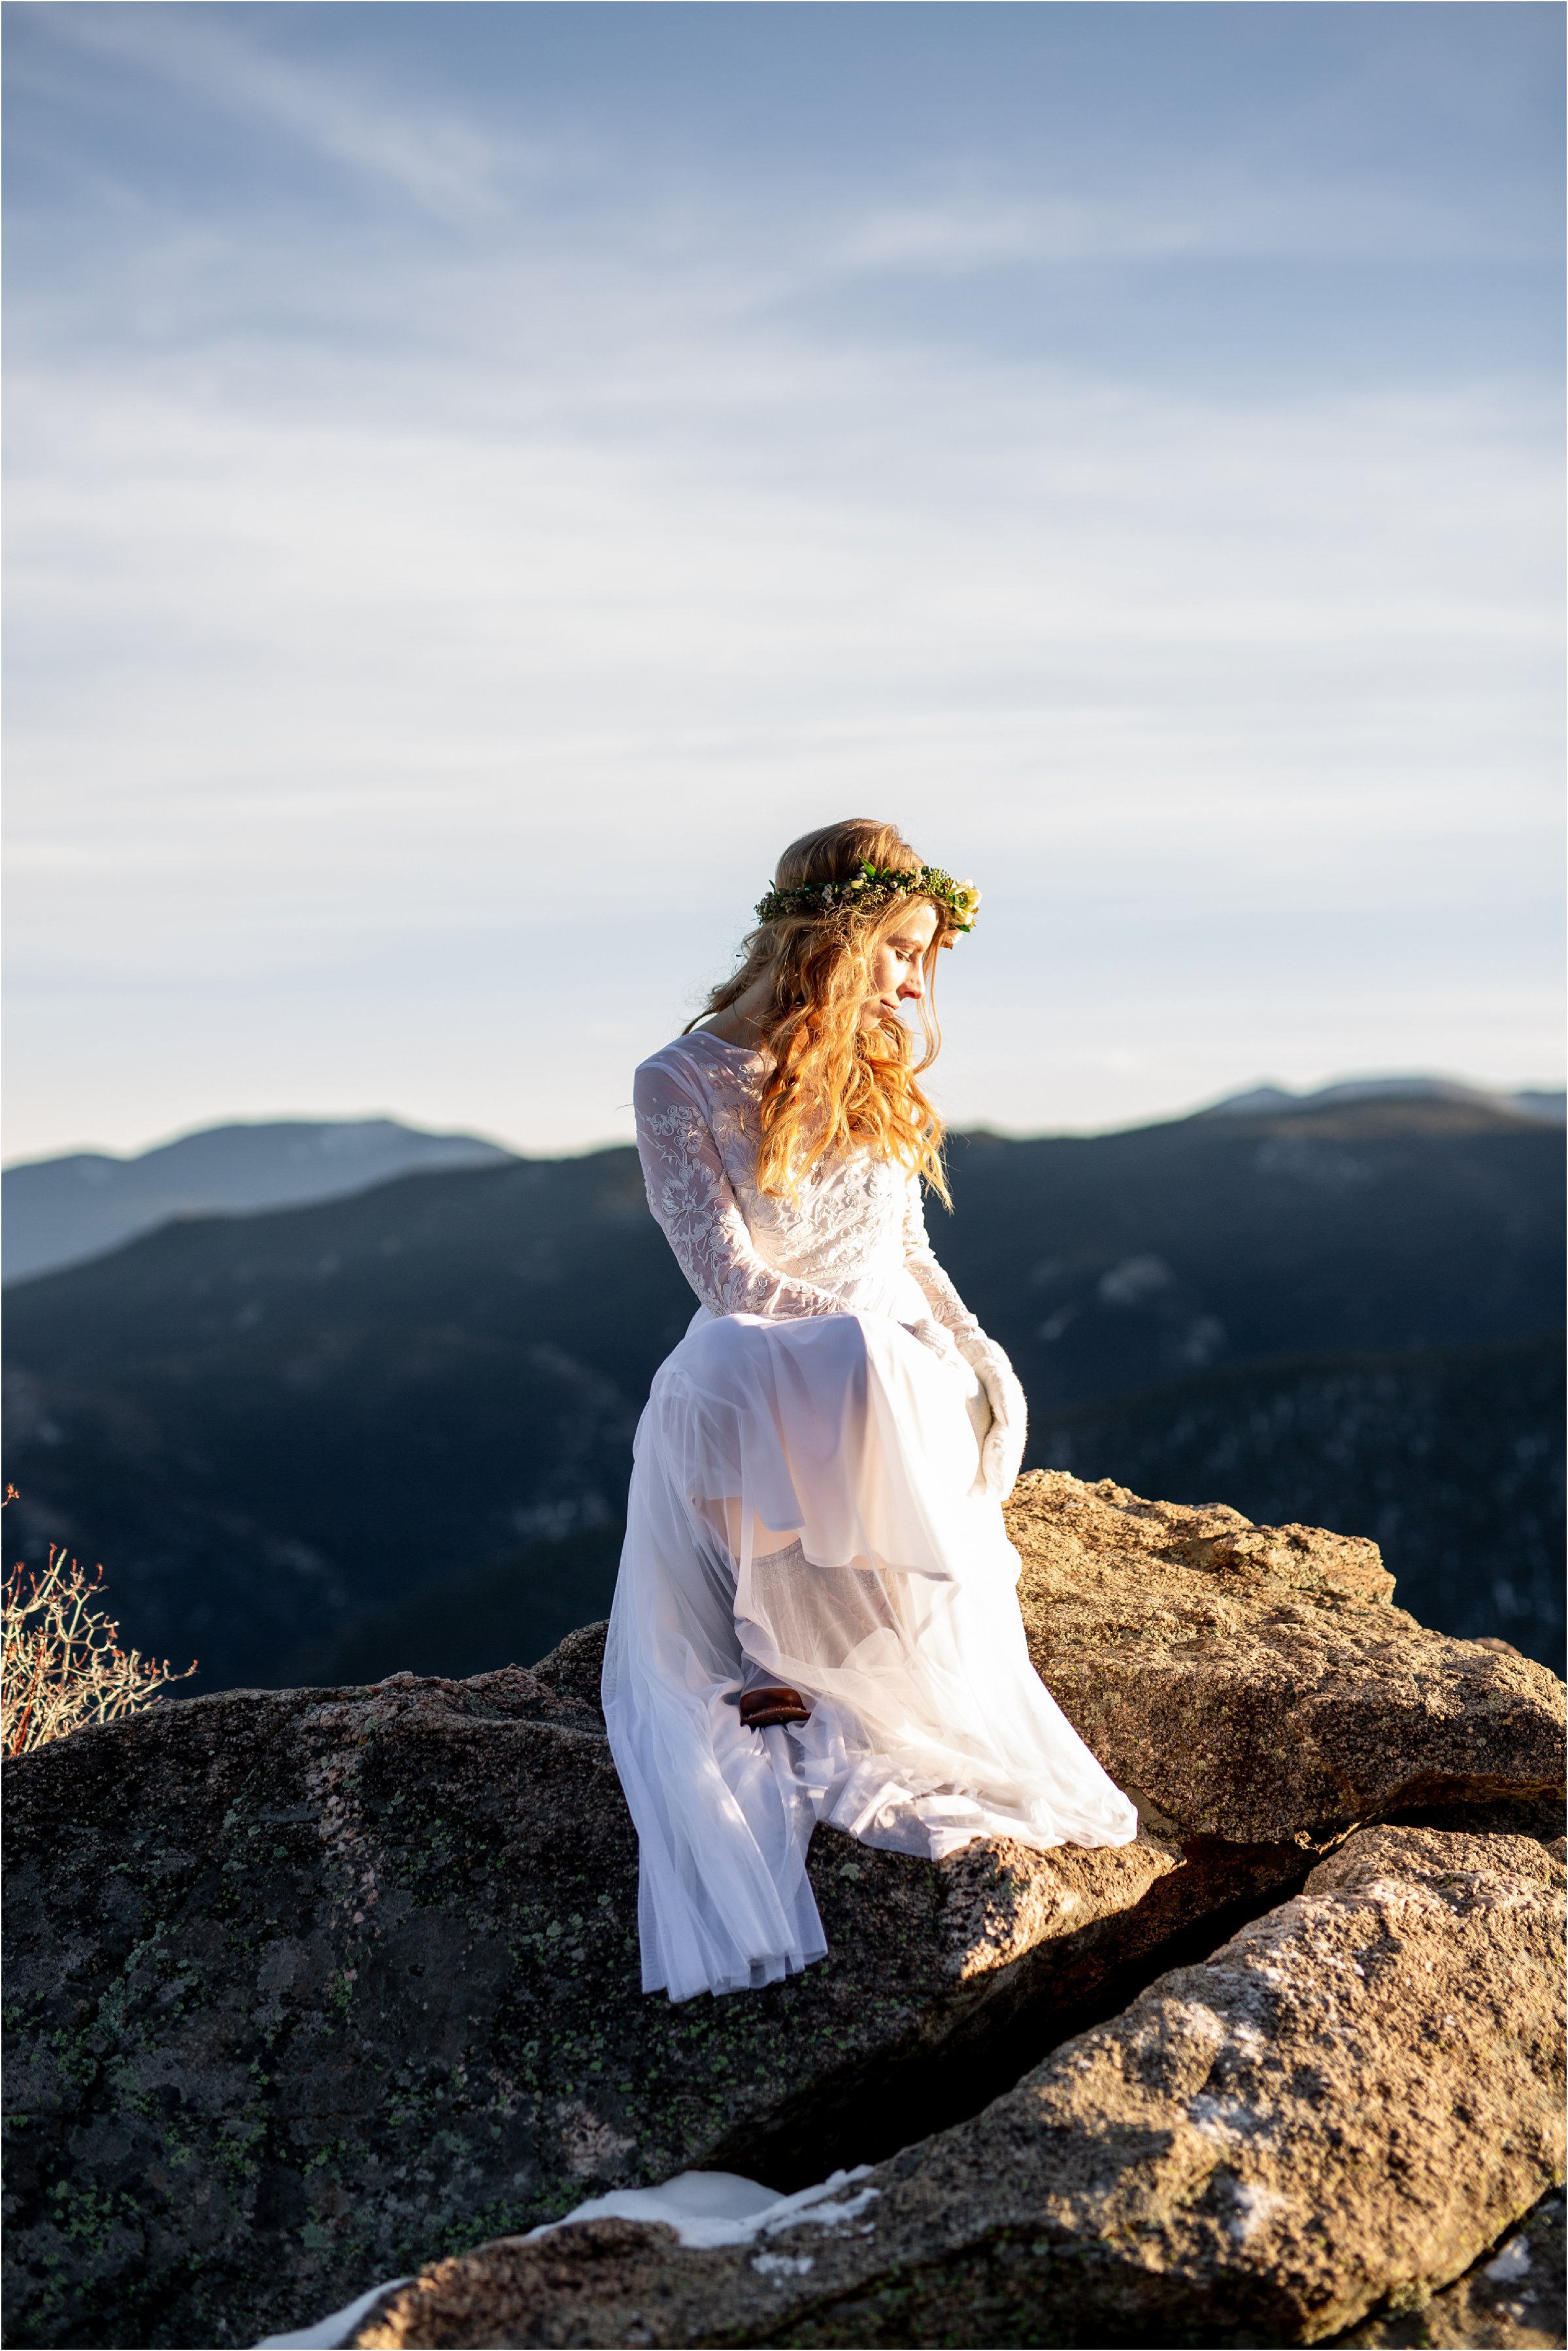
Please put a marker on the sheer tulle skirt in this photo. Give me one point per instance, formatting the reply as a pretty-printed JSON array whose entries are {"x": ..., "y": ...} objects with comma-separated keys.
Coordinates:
[{"x": 804, "y": 1503}]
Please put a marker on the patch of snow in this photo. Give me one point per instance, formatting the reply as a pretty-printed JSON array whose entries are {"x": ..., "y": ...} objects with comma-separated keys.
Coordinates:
[
  {"x": 705, "y": 2209},
  {"x": 329, "y": 2332},
  {"x": 781, "y": 2265},
  {"x": 708, "y": 2209},
  {"x": 1255, "y": 2207},
  {"x": 832, "y": 2216},
  {"x": 1513, "y": 2262}
]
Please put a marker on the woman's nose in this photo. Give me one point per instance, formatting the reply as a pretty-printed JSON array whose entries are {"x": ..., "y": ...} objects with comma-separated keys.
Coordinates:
[{"x": 915, "y": 986}]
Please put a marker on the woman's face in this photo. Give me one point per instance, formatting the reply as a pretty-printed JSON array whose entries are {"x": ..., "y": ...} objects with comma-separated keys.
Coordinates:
[{"x": 898, "y": 964}]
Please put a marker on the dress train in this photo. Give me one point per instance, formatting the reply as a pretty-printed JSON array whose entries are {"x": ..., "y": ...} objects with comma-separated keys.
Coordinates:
[{"x": 805, "y": 1504}]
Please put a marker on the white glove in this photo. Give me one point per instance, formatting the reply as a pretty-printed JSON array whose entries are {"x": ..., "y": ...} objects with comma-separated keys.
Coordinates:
[{"x": 1001, "y": 1453}]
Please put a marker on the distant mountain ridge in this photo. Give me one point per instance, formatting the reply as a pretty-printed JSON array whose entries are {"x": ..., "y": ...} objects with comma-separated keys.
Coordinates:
[
  {"x": 1547, "y": 1104},
  {"x": 61, "y": 1212}
]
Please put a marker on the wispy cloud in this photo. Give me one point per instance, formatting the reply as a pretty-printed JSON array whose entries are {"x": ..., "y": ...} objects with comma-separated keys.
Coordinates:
[
  {"x": 224, "y": 63},
  {"x": 1202, "y": 213},
  {"x": 431, "y": 615}
]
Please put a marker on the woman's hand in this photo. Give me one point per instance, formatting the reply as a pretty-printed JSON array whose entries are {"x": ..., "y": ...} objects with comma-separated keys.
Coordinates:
[{"x": 1001, "y": 1453}]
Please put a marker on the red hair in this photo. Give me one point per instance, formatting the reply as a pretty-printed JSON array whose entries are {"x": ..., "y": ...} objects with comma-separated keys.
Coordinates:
[{"x": 834, "y": 1085}]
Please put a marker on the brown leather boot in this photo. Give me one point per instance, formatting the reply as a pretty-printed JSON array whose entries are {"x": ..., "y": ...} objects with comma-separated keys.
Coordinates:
[{"x": 775, "y": 1702}]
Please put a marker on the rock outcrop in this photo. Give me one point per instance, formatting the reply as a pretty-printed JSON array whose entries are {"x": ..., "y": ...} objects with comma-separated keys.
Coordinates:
[
  {"x": 1255, "y": 1683},
  {"x": 309, "y": 1987},
  {"x": 1344, "y": 2107}
]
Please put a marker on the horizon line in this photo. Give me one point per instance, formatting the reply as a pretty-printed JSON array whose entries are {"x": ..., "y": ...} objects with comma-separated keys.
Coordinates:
[{"x": 1364, "y": 1085}]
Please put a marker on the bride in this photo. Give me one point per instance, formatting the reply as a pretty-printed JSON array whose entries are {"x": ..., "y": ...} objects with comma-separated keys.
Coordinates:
[{"x": 816, "y": 1616}]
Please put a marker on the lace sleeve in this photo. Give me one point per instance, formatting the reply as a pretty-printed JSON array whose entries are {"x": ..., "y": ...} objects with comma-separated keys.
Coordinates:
[
  {"x": 947, "y": 1307},
  {"x": 695, "y": 1208}
]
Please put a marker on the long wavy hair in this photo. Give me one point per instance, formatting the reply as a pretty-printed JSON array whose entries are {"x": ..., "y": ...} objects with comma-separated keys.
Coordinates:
[{"x": 832, "y": 1084}]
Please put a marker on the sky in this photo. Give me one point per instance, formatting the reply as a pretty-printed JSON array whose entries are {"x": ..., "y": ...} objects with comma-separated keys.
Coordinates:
[{"x": 482, "y": 479}]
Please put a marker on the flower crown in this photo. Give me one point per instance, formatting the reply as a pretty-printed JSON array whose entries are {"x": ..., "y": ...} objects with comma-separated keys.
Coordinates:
[{"x": 870, "y": 887}]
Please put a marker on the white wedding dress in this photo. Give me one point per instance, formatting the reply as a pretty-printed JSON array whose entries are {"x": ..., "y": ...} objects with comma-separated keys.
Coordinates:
[{"x": 806, "y": 1507}]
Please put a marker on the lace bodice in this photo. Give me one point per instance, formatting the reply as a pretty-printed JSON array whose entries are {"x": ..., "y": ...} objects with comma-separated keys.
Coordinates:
[{"x": 853, "y": 1242}]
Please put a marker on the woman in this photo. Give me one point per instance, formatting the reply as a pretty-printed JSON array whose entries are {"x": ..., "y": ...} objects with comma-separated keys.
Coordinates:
[{"x": 816, "y": 1617}]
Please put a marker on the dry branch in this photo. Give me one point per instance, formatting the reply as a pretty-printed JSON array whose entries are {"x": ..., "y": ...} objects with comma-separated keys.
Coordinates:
[{"x": 63, "y": 1665}]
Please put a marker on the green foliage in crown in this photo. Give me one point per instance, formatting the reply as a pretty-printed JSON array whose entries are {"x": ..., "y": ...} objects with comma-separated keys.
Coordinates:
[{"x": 871, "y": 886}]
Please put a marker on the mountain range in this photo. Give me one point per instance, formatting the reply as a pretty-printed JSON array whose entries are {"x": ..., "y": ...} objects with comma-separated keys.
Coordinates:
[
  {"x": 394, "y": 1427},
  {"x": 60, "y": 1211}
]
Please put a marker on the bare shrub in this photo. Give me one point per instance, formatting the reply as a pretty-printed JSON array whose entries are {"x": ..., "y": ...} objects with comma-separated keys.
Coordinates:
[{"x": 63, "y": 1665}]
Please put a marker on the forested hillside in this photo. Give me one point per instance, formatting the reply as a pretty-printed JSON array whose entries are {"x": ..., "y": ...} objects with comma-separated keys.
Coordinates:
[{"x": 269, "y": 1426}]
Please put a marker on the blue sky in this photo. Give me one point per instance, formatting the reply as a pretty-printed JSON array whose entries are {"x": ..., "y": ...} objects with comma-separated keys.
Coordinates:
[{"x": 481, "y": 478}]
